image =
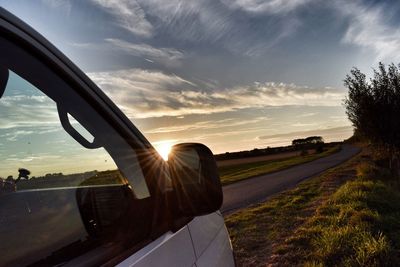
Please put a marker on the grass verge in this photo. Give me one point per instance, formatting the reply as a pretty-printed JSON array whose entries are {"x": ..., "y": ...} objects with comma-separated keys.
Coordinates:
[
  {"x": 257, "y": 231},
  {"x": 348, "y": 216},
  {"x": 359, "y": 225},
  {"x": 234, "y": 173}
]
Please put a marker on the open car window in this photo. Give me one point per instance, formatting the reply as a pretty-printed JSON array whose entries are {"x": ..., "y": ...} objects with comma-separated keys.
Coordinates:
[
  {"x": 70, "y": 186},
  {"x": 45, "y": 139}
]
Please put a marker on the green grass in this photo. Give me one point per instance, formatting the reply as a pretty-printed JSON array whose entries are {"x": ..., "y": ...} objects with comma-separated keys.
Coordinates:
[
  {"x": 359, "y": 225},
  {"x": 234, "y": 173},
  {"x": 348, "y": 216},
  {"x": 260, "y": 232},
  {"x": 256, "y": 232}
]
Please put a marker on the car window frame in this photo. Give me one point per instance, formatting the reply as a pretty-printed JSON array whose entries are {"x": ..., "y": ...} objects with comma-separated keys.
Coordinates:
[{"x": 24, "y": 37}]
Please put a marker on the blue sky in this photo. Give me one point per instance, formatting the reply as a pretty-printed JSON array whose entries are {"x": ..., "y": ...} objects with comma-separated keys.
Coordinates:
[{"x": 233, "y": 74}]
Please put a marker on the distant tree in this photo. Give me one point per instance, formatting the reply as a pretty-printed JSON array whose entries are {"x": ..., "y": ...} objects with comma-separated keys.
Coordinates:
[
  {"x": 314, "y": 140},
  {"x": 311, "y": 140},
  {"x": 298, "y": 142},
  {"x": 374, "y": 107},
  {"x": 23, "y": 173}
]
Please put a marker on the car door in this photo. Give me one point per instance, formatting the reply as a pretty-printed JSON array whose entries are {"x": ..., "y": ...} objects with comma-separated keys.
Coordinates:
[{"x": 83, "y": 186}]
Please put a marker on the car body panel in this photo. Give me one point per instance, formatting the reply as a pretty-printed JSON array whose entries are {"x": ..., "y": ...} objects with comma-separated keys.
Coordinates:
[
  {"x": 203, "y": 230},
  {"x": 171, "y": 249},
  {"x": 219, "y": 252}
]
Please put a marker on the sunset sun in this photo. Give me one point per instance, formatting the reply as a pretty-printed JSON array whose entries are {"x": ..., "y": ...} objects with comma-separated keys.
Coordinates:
[{"x": 163, "y": 148}]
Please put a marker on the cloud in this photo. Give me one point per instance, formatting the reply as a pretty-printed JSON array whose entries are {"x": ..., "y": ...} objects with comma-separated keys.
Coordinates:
[
  {"x": 299, "y": 124},
  {"x": 304, "y": 115},
  {"x": 143, "y": 94},
  {"x": 27, "y": 111},
  {"x": 14, "y": 135},
  {"x": 128, "y": 14},
  {"x": 59, "y": 4},
  {"x": 190, "y": 19},
  {"x": 370, "y": 27},
  {"x": 167, "y": 56},
  {"x": 216, "y": 23},
  {"x": 269, "y": 7},
  {"x": 205, "y": 22},
  {"x": 206, "y": 125}
]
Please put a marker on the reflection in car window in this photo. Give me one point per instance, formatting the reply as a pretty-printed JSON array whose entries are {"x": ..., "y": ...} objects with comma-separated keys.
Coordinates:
[
  {"x": 58, "y": 199},
  {"x": 33, "y": 139}
]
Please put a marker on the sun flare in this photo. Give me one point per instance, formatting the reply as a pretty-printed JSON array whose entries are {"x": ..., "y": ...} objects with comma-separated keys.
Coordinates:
[{"x": 163, "y": 148}]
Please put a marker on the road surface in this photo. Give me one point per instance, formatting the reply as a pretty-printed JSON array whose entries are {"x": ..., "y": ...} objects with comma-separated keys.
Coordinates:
[{"x": 243, "y": 193}]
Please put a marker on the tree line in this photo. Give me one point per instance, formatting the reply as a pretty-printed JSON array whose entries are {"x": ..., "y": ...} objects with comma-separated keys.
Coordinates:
[{"x": 373, "y": 107}]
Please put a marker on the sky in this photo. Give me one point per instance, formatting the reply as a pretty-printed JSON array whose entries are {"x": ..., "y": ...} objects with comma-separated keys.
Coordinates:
[{"x": 232, "y": 74}]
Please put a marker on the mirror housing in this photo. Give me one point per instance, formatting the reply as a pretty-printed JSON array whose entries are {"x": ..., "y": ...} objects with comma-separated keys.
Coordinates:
[{"x": 195, "y": 179}]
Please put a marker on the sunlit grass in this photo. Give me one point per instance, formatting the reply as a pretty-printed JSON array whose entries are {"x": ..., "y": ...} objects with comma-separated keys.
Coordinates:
[
  {"x": 234, "y": 173},
  {"x": 349, "y": 216}
]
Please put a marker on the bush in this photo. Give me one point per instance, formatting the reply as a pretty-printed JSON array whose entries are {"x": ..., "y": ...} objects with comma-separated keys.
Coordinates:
[
  {"x": 319, "y": 149},
  {"x": 304, "y": 152}
]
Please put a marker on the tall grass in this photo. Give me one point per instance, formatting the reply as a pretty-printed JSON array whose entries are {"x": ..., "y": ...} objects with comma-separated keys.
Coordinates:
[{"x": 359, "y": 225}]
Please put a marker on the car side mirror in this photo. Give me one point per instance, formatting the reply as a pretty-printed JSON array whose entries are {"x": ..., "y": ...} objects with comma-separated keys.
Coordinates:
[{"x": 195, "y": 179}]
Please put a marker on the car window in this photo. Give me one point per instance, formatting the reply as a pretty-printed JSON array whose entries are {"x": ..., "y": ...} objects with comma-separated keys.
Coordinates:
[{"x": 70, "y": 185}]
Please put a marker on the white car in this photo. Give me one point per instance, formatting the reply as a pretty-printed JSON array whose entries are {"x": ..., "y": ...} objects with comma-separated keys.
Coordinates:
[{"x": 90, "y": 190}]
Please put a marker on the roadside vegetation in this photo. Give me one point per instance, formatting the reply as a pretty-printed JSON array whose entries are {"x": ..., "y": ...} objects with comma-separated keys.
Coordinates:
[
  {"x": 234, "y": 173},
  {"x": 358, "y": 225},
  {"x": 258, "y": 231},
  {"x": 349, "y": 215}
]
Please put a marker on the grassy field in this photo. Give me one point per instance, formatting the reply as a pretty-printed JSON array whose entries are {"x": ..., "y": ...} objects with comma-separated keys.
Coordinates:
[
  {"x": 349, "y": 216},
  {"x": 234, "y": 173}
]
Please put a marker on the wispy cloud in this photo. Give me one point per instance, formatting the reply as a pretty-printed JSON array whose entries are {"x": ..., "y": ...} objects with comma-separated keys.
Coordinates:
[
  {"x": 166, "y": 56},
  {"x": 370, "y": 27},
  {"x": 262, "y": 6},
  {"x": 153, "y": 94},
  {"x": 304, "y": 115},
  {"x": 190, "y": 19},
  {"x": 60, "y": 4},
  {"x": 215, "y": 23},
  {"x": 215, "y": 124},
  {"x": 204, "y": 22},
  {"x": 300, "y": 124},
  {"x": 27, "y": 111},
  {"x": 14, "y": 135},
  {"x": 128, "y": 15}
]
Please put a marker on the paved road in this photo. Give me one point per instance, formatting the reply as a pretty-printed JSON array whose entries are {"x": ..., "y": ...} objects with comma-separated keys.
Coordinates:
[{"x": 256, "y": 189}]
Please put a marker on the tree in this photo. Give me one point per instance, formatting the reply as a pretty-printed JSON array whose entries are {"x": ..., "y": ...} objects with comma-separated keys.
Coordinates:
[
  {"x": 373, "y": 107},
  {"x": 23, "y": 173},
  {"x": 311, "y": 140}
]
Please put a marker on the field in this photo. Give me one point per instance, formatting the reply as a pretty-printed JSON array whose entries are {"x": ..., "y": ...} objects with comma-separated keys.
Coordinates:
[
  {"x": 283, "y": 155},
  {"x": 347, "y": 216},
  {"x": 250, "y": 167}
]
